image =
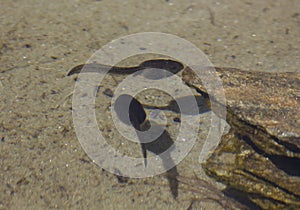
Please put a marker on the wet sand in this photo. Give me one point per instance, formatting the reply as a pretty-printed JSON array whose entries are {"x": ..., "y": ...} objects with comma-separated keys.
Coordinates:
[{"x": 42, "y": 163}]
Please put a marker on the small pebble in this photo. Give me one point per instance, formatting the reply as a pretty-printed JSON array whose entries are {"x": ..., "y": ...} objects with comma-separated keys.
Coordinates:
[
  {"x": 108, "y": 92},
  {"x": 177, "y": 119}
]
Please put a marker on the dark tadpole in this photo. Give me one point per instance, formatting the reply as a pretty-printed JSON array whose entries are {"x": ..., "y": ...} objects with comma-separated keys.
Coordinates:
[
  {"x": 166, "y": 64},
  {"x": 131, "y": 112},
  {"x": 134, "y": 115},
  {"x": 126, "y": 105}
]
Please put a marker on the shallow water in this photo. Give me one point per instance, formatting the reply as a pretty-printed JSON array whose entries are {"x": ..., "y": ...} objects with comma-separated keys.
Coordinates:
[{"x": 42, "y": 163}]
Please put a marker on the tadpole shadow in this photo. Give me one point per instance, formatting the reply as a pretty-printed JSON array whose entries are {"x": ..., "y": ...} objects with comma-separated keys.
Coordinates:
[
  {"x": 173, "y": 105},
  {"x": 162, "y": 145}
]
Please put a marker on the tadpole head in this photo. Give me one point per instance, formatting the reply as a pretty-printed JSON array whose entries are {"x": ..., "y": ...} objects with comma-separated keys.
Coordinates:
[
  {"x": 166, "y": 64},
  {"x": 134, "y": 115}
]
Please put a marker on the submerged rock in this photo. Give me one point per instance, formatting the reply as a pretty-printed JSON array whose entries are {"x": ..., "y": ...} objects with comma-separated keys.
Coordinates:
[{"x": 261, "y": 154}]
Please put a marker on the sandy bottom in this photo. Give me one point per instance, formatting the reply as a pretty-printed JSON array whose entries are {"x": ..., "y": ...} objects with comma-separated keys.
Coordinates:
[{"x": 43, "y": 164}]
